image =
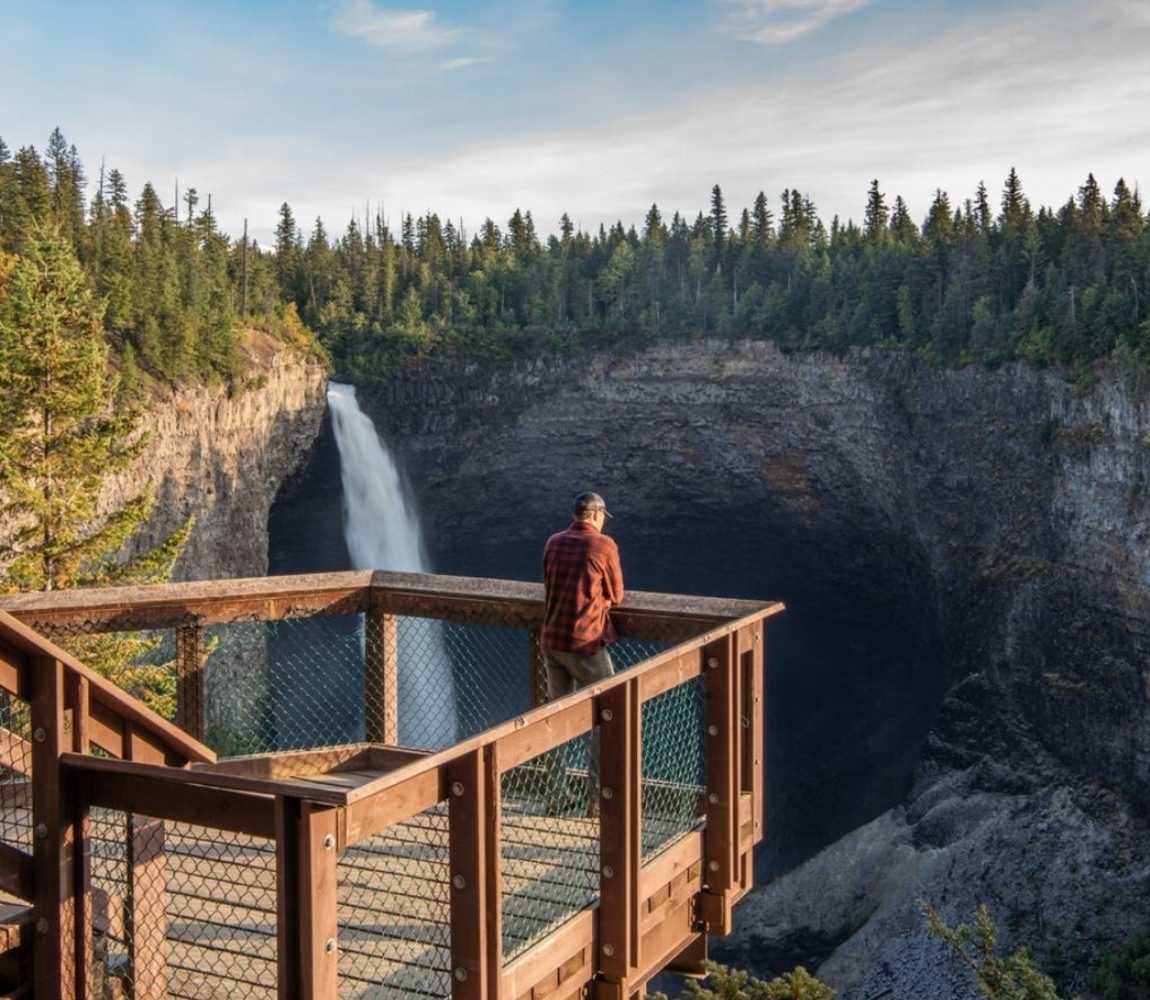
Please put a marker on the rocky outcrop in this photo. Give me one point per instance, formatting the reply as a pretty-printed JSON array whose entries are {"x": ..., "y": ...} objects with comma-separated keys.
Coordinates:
[
  {"x": 958, "y": 696},
  {"x": 220, "y": 454}
]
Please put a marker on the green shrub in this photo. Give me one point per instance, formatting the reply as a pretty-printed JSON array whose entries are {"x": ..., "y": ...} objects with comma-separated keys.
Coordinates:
[
  {"x": 722, "y": 983},
  {"x": 1013, "y": 977}
]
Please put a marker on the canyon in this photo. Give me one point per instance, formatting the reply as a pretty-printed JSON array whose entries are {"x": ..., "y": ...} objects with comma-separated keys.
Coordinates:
[{"x": 958, "y": 701}]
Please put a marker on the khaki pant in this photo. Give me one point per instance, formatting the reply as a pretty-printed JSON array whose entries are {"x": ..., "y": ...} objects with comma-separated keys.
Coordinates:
[{"x": 567, "y": 672}]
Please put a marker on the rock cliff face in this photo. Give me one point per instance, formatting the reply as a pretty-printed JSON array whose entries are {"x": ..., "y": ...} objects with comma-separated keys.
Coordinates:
[
  {"x": 958, "y": 699},
  {"x": 221, "y": 457}
]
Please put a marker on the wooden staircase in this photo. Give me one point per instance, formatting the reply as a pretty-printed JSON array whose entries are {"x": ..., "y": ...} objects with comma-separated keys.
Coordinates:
[{"x": 66, "y": 708}]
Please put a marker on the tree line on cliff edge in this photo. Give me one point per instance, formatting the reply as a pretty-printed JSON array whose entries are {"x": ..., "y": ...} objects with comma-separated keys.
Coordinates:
[{"x": 989, "y": 279}]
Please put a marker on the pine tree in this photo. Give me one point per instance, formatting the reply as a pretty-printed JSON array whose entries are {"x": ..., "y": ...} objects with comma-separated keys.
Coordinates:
[
  {"x": 718, "y": 226},
  {"x": 902, "y": 227},
  {"x": 287, "y": 254},
  {"x": 63, "y": 433},
  {"x": 876, "y": 216}
]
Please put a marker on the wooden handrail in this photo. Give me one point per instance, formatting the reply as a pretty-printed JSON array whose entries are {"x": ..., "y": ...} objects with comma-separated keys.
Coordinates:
[
  {"x": 20, "y": 646},
  {"x": 452, "y": 598}
]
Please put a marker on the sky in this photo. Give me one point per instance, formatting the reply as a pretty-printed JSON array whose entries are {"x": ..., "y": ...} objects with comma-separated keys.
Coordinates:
[{"x": 596, "y": 108}]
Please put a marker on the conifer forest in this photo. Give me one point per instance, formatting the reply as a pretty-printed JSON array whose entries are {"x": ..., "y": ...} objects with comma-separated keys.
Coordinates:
[{"x": 985, "y": 278}]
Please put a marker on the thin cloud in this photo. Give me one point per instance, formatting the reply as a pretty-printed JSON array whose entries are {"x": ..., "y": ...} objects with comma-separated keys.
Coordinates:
[
  {"x": 985, "y": 95},
  {"x": 463, "y": 62},
  {"x": 389, "y": 28},
  {"x": 777, "y": 22}
]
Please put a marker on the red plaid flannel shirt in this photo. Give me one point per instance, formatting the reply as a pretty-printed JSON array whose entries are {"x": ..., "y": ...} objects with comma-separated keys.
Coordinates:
[{"x": 583, "y": 580}]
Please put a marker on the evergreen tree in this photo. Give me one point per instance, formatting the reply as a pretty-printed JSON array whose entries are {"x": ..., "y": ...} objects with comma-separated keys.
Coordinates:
[
  {"x": 876, "y": 216},
  {"x": 63, "y": 432},
  {"x": 718, "y": 225}
]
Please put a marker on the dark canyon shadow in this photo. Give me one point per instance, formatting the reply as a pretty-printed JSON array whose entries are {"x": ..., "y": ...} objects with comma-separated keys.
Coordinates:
[{"x": 854, "y": 666}]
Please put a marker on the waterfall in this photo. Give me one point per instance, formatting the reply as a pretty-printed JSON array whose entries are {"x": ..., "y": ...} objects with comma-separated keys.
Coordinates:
[{"x": 382, "y": 530}]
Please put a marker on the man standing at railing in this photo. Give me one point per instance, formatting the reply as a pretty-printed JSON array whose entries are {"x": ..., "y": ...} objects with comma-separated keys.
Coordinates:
[{"x": 583, "y": 581}]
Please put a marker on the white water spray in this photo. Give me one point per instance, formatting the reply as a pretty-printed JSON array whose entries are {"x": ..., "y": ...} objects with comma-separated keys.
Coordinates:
[{"x": 382, "y": 531}]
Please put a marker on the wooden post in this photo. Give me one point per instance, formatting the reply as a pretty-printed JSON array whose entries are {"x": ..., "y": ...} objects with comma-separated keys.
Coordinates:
[
  {"x": 471, "y": 867},
  {"x": 288, "y": 933},
  {"x": 720, "y": 845},
  {"x": 147, "y": 908},
  {"x": 76, "y": 792},
  {"x": 620, "y": 853},
  {"x": 190, "y": 679},
  {"x": 757, "y": 712},
  {"x": 53, "y": 837},
  {"x": 318, "y": 919},
  {"x": 381, "y": 677}
]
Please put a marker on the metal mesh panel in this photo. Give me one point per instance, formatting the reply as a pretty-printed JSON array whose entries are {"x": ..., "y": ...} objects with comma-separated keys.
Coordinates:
[
  {"x": 181, "y": 911},
  {"x": 395, "y": 912},
  {"x": 312, "y": 682},
  {"x": 673, "y": 765},
  {"x": 550, "y": 842},
  {"x": 141, "y": 661},
  {"x": 15, "y": 772}
]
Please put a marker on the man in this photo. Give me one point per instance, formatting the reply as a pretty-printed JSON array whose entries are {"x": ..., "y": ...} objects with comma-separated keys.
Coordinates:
[{"x": 583, "y": 581}]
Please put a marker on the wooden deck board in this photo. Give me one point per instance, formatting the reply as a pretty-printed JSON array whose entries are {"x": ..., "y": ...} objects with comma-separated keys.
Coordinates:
[{"x": 393, "y": 897}]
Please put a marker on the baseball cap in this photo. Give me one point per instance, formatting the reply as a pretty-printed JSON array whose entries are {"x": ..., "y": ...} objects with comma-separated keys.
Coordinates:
[{"x": 585, "y": 502}]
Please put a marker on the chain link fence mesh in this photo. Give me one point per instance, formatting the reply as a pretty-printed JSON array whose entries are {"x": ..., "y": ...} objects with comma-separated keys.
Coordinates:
[
  {"x": 181, "y": 911},
  {"x": 15, "y": 772},
  {"x": 549, "y": 842},
  {"x": 209, "y": 897},
  {"x": 674, "y": 768},
  {"x": 394, "y": 912}
]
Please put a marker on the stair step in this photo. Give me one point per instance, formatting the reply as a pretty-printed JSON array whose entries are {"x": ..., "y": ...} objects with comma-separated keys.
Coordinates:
[
  {"x": 15, "y": 951},
  {"x": 15, "y": 919}
]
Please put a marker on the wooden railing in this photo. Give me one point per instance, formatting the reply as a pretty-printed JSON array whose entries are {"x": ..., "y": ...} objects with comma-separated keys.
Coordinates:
[
  {"x": 648, "y": 914},
  {"x": 70, "y": 709}
]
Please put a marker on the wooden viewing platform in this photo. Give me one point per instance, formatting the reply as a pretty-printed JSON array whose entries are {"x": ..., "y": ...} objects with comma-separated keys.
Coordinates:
[{"x": 496, "y": 867}]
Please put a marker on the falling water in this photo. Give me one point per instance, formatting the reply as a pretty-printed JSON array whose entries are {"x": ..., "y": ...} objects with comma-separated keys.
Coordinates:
[{"x": 382, "y": 530}]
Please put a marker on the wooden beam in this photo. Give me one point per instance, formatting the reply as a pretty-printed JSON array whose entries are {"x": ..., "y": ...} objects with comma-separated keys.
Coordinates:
[
  {"x": 290, "y": 763},
  {"x": 468, "y": 806},
  {"x": 671, "y": 863},
  {"x": 757, "y": 708},
  {"x": 528, "y": 969},
  {"x": 208, "y": 778},
  {"x": 13, "y": 670},
  {"x": 381, "y": 676},
  {"x": 104, "y": 692},
  {"x": 619, "y": 831},
  {"x": 168, "y": 605},
  {"x": 546, "y": 733},
  {"x": 493, "y": 865},
  {"x": 289, "y": 967},
  {"x": 17, "y": 872},
  {"x": 219, "y": 808},
  {"x": 190, "y": 657},
  {"x": 669, "y": 674},
  {"x": 52, "y": 835},
  {"x": 78, "y": 700},
  {"x": 667, "y": 617},
  {"x": 368, "y": 816},
  {"x": 317, "y": 904},
  {"x": 721, "y": 873}
]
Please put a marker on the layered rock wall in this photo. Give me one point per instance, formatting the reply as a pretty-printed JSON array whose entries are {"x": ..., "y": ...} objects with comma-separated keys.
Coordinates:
[{"x": 961, "y": 682}]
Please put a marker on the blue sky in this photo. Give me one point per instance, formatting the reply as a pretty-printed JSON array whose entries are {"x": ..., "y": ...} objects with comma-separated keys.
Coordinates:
[{"x": 597, "y": 108}]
